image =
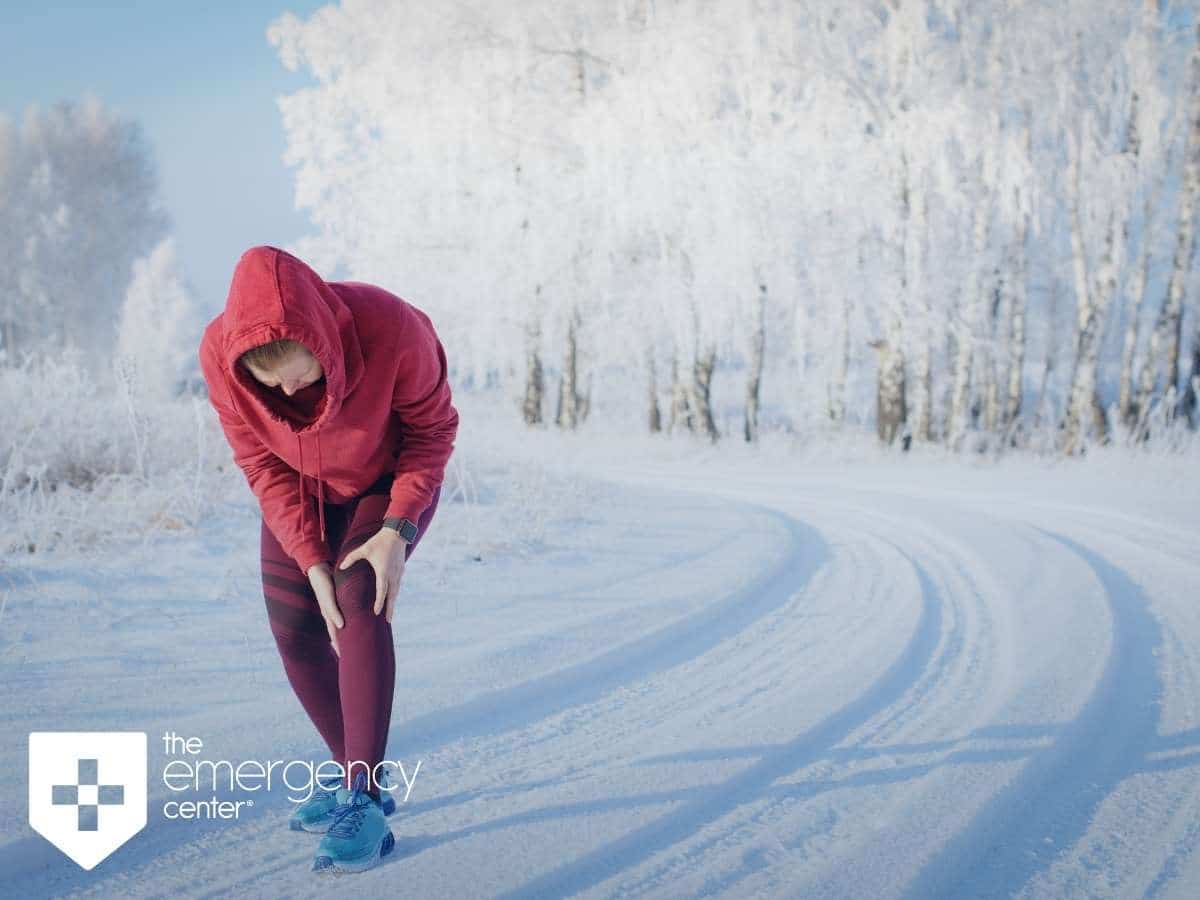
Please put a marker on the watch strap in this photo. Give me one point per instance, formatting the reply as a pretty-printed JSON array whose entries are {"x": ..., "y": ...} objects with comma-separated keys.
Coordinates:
[{"x": 406, "y": 528}]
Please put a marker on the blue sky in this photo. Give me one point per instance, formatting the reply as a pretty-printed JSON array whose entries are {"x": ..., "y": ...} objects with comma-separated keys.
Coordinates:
[{"x": 202, "y": 81}]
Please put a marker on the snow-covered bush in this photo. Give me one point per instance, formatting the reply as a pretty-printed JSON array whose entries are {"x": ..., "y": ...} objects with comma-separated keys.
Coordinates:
[
  {"x": 80, "y": 463},
  {"x": 160, "y": 325}
]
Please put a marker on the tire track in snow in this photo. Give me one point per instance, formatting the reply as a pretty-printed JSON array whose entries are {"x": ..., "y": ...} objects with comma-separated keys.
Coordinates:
[
  {"x": 519, "y": 705},
  {"x": 1186, "y": 840},
  {"x": 941, "y": 671},
  {"x": 968, "y": 626},
  {"x": 715, "y": 801},
  {"x": 1047, "y": 808}
]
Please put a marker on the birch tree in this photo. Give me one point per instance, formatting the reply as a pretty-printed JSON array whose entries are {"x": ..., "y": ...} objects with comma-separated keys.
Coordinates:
[
  {"x": 1154, "y": 121},
  {"x": 1098, "y": 157},
  {"x": 1163, "y": 355}
]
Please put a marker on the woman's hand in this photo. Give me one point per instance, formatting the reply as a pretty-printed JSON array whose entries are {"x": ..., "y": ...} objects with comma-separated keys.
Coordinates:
[
  {"x": 320, "y": 576},
  {"x": 385, "y": 552}
]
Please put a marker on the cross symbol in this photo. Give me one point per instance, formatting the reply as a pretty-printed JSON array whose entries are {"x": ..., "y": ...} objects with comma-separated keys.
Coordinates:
[{"x": 87, "y": 794}]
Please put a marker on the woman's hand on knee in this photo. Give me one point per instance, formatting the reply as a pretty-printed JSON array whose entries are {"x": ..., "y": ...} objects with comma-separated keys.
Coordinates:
[
  {"x": 384, "y": 550},
  {"x": 320, "y": 576}
]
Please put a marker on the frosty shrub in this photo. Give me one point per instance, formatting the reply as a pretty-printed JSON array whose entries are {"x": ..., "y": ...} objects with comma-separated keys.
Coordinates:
[{"x": 82, "y": 461}]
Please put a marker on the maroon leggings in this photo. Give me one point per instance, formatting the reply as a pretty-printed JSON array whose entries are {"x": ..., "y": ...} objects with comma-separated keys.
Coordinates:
[{"x": 348, "y": 698}]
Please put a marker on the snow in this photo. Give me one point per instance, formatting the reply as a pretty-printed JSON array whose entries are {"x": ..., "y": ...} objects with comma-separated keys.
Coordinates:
[{"x": 652, "y": 668}]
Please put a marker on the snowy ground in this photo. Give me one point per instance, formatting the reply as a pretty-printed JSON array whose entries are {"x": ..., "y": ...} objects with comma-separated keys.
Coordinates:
[{"x": 734, "y": 674}]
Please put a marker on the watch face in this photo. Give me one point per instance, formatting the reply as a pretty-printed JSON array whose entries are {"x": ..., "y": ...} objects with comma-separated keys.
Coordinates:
[{"x": 404, "y": 527}]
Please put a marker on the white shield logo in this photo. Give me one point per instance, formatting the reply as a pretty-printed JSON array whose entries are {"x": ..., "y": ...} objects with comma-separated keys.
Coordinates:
[{"x": 87, "y": 790}]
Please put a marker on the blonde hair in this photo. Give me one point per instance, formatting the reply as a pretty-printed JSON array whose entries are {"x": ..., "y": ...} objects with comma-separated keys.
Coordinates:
[{"x": 265, "y": 357}]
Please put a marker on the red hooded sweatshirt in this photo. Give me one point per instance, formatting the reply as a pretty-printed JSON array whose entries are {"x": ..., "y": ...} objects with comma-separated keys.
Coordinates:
[{"x": 386, "y": 406}]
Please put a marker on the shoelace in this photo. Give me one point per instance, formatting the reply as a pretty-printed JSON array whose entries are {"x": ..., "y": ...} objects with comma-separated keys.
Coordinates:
[{"x": 347, "y": 817}]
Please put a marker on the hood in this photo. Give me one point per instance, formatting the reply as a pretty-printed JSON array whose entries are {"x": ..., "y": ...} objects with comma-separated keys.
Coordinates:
[{"x": 275, "y": 295}]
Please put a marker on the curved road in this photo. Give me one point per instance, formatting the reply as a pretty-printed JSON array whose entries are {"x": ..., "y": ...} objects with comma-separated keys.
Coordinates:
[{"x": 866, "y": 691}]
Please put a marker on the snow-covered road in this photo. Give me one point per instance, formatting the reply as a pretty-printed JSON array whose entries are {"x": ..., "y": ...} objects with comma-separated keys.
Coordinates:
[{"x": 705, "y": 679}]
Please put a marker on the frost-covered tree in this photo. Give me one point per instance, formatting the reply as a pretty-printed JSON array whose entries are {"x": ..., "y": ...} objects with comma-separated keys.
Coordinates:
[
  {"x": 1154, "y": 123},
  {"x": 1095, "y": 108},
  {"x": 1166, "y": 342},
  {"x": 12, "y": 234},
  {"x": 723, "y": 207},
  {"x": 80, "y": 204},
  {"x": 160, "y": 324}
]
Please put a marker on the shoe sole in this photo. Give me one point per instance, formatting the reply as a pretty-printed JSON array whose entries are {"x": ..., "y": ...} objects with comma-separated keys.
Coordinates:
[
  {"x": 385, "y": 846},
  {"x": 320, "y": 826},
  {"x": 311, "y": 827}
]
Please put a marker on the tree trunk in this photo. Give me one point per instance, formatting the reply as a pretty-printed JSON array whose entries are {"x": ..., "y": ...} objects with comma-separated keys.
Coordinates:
[
  {"x": 701, "y": 399},
  {"x": 758, "y": 340},
  {"x": 1053, "y": 344},
  {"x": 924, "y": 374},
  {"x": 1083, "y": 414},
  {"x": 1127, "y": 402},
  {"x": 535, "y": 385},
  {"x": 1084, "y": 417},
  {"x": 923, "y": 335},
  {"x": 1016, "y": 363},
  {"x": 966, "y": 324},
  {"x": 568, "y": 395},
  {"x": 681, "y": 408},
  {"x": 1188, "y": 405},
  {"x": 654, "y": 417},
  {"x": 1185, "y": 246},
  {"x": 1017, "y": 298},
  {"x": 585, "y": 399},
  {"x": 8, "y": 339},
  {"x": 891, "y": 407},
  {"x": 1126, "y": 408},
  {"x": 989, "y": 363},
  {"x": 946, "y": 398}
]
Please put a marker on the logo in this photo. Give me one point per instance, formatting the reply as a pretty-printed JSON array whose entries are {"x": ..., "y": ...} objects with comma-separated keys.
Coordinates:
[{"x": 87, "y": 790}]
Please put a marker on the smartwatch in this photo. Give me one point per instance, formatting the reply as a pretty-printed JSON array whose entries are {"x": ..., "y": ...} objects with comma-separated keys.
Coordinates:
[{"x": 404, "y": 527}]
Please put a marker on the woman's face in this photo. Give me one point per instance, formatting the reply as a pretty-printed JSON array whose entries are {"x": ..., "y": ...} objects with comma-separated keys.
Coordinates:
[{"x": 296, "y": 371}]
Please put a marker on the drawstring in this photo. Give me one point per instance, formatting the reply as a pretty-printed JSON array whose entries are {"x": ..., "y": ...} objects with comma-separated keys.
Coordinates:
[
  {"x": 320, "y": 486},
  {"x": 300, "y": 444}
]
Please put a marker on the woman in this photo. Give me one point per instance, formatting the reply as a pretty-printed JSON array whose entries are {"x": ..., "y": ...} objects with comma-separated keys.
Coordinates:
[{"x": 357, "y": 377}]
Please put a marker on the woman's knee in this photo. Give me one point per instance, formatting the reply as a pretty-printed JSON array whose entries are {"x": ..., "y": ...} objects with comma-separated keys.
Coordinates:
[{"x": 354, "y": 589}]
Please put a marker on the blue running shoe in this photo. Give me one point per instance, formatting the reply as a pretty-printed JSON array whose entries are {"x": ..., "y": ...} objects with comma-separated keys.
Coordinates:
[
  {"x": 315, "y": 814},
  {"x": 359, "y": 836}
]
